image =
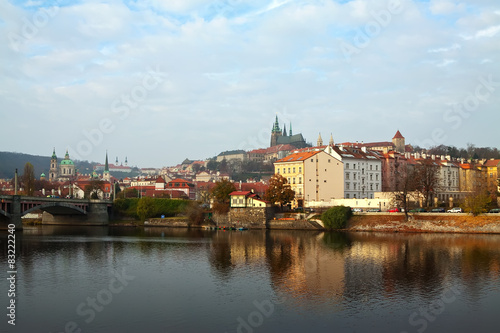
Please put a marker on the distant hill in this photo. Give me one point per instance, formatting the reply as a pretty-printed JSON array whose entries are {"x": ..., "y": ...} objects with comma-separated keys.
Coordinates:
[{"x": 10, "y": 161}]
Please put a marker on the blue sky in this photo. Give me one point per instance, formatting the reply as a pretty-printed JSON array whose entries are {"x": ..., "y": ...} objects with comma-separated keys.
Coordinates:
[{"x": 159, "y": 81}]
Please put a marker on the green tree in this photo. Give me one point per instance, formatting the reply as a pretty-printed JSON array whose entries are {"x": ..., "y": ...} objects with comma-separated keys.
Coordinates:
[
  {"x": 145, "y": 208},
  {"x": 220, "y": 194},
  {"x": 336, "y": 217},
  {"x": 279, "y": 191},
  {"x": 28, "y": 179},
  {"x": 195, "y": 213}
]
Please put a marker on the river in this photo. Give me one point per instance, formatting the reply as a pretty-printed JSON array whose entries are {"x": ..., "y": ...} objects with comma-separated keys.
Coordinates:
[{"x": 116, "y": 279}]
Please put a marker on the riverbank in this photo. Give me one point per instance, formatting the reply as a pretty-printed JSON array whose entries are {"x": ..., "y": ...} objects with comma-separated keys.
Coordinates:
[{"x": 451, "y": 223}]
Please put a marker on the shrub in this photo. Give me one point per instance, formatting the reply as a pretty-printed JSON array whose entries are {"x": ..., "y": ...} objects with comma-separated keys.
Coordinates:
[{"x": 336, "y": 217}]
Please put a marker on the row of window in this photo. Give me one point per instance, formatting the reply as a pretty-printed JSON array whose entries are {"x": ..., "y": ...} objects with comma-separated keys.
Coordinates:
[
  {"x": 354, "y": 165},
  {"x": 290, "y": 170},
  {"x": 355, "y": 186},
  {"x": 348, "y": 176}
]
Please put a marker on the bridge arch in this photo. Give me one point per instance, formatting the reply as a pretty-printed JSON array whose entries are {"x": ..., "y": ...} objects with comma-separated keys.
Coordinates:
[
  {"x": 4, "y": 213},
  {"x": 57, "y": 208}
]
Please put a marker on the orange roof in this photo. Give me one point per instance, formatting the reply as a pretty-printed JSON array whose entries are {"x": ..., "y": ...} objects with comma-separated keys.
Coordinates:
[{"x": 298, "y": 157}]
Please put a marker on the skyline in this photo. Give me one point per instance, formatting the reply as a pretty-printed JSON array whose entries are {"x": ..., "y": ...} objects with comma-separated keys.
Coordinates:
[{"x": 191, "y": 79}]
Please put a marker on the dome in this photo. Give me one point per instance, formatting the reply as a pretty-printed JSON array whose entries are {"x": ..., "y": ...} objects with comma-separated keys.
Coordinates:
[
  {"x": 67, "y": 162},
  {"x": 42, "y": 175}
]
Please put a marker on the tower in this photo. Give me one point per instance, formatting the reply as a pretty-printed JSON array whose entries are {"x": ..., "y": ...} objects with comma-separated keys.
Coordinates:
[
  {"x": 275, "y": 133},
  {"x": 53, "y": 171},
  {"x": 66, "y": 168},
  {"x": 320, "y": 140},
  {"x": 399, "y": 142},
  {"x": 284, "y": 130},
  {"x": 105, "y": 175},
  {"x": 331, "y": 143},
  {"x": 126, "y": 162}
]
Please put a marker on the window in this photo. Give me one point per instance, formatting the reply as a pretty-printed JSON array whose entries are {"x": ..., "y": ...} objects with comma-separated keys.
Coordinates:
[
  {"x": 278, "y": 170},
  {"x": 347, "y": 175},
  {"x": 347, "y": 165},
  {"x": 371, "y": 177},
  {"x": 288, "y": 180},
  {"x": 354, "y": 176},
  {"x": 376, "y": 177},
  {"x": 347, "y": 196},
  {"x": 300, "y": 169},
  {"x": 371, "y": 187},
  {"x": 312, "y": 160},
  {"x": 300, "y": 180},
  {"x": 347, "y": 185},
  {"x": 328, "y": 160},
  {"x": 371, "y": 167},
  {"x": 294, "y": 180},
  {"x": 288, "y": 170},
  {"x": 293, "y": 169}
]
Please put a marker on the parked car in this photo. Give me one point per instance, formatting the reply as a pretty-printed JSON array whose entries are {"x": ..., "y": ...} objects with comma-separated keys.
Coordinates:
[
  {"x": 438, "y": 210},
  {"x": 374, "y": 210},
  {"x": 494, "y": 210},
  {"x": 455, "y": 210},
  {"x": 394, "y": 210},
  {"x": 417, "y": 210},
  {"x": 357, "y": 209}
]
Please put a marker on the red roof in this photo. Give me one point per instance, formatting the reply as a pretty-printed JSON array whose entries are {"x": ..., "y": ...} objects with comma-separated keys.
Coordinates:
[
  {"x": 398, "y": 135},
  {"x": 245, "y": 193},
  {"x": 491, "y": 163}
]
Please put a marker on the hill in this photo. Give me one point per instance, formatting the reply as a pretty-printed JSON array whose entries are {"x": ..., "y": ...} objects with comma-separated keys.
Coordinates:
[{"x": 9, "y": 162}]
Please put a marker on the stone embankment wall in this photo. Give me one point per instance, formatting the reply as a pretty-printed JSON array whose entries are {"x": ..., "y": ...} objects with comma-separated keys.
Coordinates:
[{"x": 425, "y": 222}]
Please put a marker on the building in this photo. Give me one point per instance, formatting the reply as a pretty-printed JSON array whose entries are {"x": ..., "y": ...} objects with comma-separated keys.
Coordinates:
[
  {"x": 182, "y": 185},
  {"x": 240, "y": 155},
  {"x": 313, "y": 176},
  {"x": 362, "y": 171},
  {"x": 247, "y": 199},
  {"x": 491, "y": 169},
  {"x": 397, "y": 144},
  {"x": 61, "y": 171},
  {"x": 280, "y": 137}
]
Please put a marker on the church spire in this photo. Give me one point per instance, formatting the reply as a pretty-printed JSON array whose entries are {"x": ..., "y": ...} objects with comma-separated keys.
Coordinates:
[
  {"x": 276, "y": 127},
  {"x": 284, "y": 130},
  {"x": 291, "y": 129},
  {"x": 331, "y": 143},
  {"x": 320, "y": 140},
  {"x": 106, "y": 165}
]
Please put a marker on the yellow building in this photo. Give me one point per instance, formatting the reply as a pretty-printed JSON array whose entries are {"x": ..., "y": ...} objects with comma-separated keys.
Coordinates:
[
  {"x": 492, "y": 174},
  {"x": 313, "y": 176}
]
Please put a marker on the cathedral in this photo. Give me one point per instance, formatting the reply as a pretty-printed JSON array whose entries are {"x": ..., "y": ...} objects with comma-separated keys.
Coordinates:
[
  {"x": 61, "y": 171},
  {"x": 279, "y": 137}
]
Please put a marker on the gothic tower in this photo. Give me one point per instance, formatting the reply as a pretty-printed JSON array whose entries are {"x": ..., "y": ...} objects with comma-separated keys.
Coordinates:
[
  {"x": 399, "y": 142},
  {"x": 105, "y": 175},
  {"x": 331, "y": 143},
  {"x": 54, "y": 170},
  {"x": 275, "y": 133}
]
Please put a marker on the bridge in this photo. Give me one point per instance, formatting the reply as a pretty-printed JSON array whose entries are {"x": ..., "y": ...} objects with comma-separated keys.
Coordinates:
[{"x": 55, "y": 210}]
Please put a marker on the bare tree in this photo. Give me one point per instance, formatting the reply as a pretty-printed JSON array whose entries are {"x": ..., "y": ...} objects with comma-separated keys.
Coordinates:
[
  {"x": 28, "y": 179},
  {"x": 406, "y": 189},
  {"x": 426, "y": 175}
]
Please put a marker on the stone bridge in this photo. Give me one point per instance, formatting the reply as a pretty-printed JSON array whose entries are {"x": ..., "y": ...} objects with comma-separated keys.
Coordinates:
[{"x": 55, "y": 210}]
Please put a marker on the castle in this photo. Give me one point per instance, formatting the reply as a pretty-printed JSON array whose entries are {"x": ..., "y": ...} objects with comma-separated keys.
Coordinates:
[{"x": 279, "y": 137}]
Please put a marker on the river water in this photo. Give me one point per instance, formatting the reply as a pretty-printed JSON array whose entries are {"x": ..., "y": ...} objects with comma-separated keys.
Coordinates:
[{"x": 109, "y": 279}]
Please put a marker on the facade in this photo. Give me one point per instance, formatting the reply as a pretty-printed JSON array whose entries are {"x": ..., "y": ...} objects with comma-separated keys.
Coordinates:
[
  {"x": 313, "y": 176},
  {"x": 61, "y": 171},
  {"x": 240, "y": 155},
  {"x": 491, "y": 169},
  {"x": 182, "y": 185},
  {"x": 247, "y": 199},
  {"x": 362, "y": 171}
]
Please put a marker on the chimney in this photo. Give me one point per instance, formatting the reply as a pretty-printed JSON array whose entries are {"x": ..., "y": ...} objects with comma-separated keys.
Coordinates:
[{"x": 363, "y": 149}]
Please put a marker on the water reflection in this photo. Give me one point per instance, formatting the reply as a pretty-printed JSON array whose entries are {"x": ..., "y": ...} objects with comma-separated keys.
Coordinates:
[{"x": 349, "y": 278}]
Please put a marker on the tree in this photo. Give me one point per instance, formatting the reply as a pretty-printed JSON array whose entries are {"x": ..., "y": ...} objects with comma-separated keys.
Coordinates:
[
  {"x": 220, "y": 193},
  {"x": 212, "y": 165},
  {"x": 477, "y": 201},
  {"x": 427, "y": 180},
  {"x": 28, "y": 179},
  {"x": 95, "y": 187},
  {"x": 128, "y": 193},
  {"x": 336, "y": 217},
  {"x": 145, "y": 208},
  {"x": 406, "y": 189},
  {"x": 195, "y": 213},
  {"x": 279, "y": 191}
]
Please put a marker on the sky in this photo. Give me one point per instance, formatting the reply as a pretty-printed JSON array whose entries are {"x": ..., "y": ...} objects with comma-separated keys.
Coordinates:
[{"x": 160, "y": 81}]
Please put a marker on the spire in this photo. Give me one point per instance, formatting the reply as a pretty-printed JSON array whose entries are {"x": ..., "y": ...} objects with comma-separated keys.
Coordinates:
[
  {"x": 66, "y": 156},
  {"x": 276, "y": 127},
  {"x": 291, "y": 129},
  {"x": 331, "y": 140},
  {"x": 284, "y": 130},
  {"x": 116, "y": 162},
  {"x": 54, "y": 156},
  {"x": 106, "y": 165},
  {"x": 320, "y": 140},
  {"x": 126, "y": 162}
]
